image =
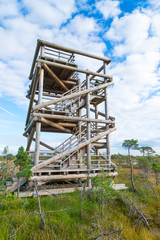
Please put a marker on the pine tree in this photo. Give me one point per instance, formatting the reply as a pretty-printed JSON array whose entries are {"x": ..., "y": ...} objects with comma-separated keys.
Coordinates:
[{"x": 24, "y": 163}]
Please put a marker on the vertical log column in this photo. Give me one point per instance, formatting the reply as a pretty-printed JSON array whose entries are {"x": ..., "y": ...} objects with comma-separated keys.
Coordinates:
[
  {"x": 97, "y": 150},
  {"x": 80, "y": 130},
  {"x": 107, "y": 117},
  {"x": 38, "y": 124},
  {"x": 88, "y": 129}
]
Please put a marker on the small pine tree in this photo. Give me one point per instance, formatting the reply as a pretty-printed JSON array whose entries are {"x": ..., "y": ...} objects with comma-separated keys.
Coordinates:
[
  {"x": 104, "y": 189},
  {"x": 5, "y": 152},
  {"x": 24, "y": 163}
]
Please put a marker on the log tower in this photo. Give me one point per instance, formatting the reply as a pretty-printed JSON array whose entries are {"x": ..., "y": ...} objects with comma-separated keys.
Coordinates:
[{"x": 61, "y": 102}]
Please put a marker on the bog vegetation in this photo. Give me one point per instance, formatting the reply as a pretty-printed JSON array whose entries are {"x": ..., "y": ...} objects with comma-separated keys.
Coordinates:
[{"x": 99, "y": 213}]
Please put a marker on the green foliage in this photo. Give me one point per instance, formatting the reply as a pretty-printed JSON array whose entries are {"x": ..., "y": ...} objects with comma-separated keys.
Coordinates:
[
  {"x": 24, "y": 163},
  {"x": 103, "y": 184},
  {"x": 130, "y": 144},
  {"x": 156, "y": 167},
  {"x": 144, "y": 163},
  {"x": 150, "y": 151},
  {"x": 10, "y": 156},
  {"x": 6, "y": 150},
  {"x": 7, "y": 197}
]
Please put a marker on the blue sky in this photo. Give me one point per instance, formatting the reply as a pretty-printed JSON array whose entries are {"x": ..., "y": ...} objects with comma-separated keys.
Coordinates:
[{"x": 126, "y": 31}]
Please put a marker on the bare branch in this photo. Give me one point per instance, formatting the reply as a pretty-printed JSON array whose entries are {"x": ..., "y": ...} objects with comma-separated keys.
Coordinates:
[
  {"x": 36, "y": 213},
  {"x": 108, "y": 234}
]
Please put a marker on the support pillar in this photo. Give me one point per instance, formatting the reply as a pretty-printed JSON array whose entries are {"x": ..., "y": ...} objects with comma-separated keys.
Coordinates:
[
  {"x": 88, "y": 130},
  {"x": 80, "y": 130},
  {"x": 38, "y": 124},
  {"x": 107, "y": 117},
  {"x": 96, "y": 117},
  {"x": 30, "y": 138}
]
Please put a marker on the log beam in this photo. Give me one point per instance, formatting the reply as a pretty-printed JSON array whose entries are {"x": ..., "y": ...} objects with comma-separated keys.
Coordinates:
[
  {"x": 77, "y": 94},
  {"x": 53, "y": 75},
  {"x": 65, "y": 153},
  {"x": 69, "y": 176},
  {"x": 30, "y": 139},
  {"x": 56, "y": 125},
  {"x": 72, "y": 119},
  {"x": 34, "y": 87},
  {"x": 88, "y": 124},
  {"x": 38, "y": 124},
  {"x": 107, "y": 118},
  {"x": 45, "y": 145},
  {"x": 75, "y": 69}
]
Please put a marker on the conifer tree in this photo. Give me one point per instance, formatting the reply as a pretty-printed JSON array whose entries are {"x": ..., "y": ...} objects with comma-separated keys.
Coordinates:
[{"x": 24, "y": 163}]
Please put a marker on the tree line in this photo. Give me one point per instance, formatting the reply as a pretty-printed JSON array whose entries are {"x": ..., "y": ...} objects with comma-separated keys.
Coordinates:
[{"x": 132, "y": 144}]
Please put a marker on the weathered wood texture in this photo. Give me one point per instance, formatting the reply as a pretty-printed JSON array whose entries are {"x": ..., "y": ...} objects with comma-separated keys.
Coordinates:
[{"x": 61, "y": 102}]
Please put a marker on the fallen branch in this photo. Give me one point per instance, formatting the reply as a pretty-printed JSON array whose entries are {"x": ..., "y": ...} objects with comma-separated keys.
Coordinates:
[
  {"x": 140, "y": 213},
  {"x": 136, "y": 209},
  {"x": 108, "y": 234}
]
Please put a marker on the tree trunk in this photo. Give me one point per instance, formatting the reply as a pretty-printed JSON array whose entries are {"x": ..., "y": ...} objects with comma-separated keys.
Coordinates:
[
  {"x": 102, "y": 206},
  {"x": 143, "y": 152},
  {"x": 18, "y": 187},
  {"x": 39, "y": 205},
  {"x": 157, "y": 178},
  {"x": 132, "y": 181},
  {"x": 80, "y": 184}
]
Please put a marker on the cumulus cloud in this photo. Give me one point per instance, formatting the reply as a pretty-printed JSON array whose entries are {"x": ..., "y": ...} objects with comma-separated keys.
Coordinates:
[
  {"x": 130, "y": 32},
  {"x": 109, "y": 8},
  {"x": 135, "y": 49},
  {"x": 50, "y": 12},
  {"x": 155, "y": 4},
  {"x": 12, "y": 84},
  {"x": 83, "y": 38},
  {"x": 136, "y": 44},
  {"x": 8, "y": 9}
]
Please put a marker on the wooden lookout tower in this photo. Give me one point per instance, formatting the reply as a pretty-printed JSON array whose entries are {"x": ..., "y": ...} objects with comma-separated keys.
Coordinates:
[{"x": 70, "y": 100}]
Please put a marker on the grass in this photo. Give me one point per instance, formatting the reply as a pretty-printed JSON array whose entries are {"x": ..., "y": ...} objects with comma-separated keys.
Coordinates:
[{"x": 68, "y": 224}]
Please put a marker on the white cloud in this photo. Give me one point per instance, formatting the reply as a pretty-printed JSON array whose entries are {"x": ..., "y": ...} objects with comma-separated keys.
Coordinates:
[
  {"x": 135, "y": 38},
  {"x": 155, "y": 27},
  {"x": 12, "y": 84},
  {"x": 50, "y": 12},
  {"x": 130, "y": 32},
  {"x": 155, "y": 4},
  {"x": 81, "y": 33},
  {"x": 8, "y": 8},
  {"x": 133, "y": 100},
  {"x": 109, "y": 8},
  {"x": 82, "y": 26}
]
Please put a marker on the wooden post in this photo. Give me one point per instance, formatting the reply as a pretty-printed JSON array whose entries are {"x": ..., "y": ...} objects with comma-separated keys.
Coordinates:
[
  {"x": 107, "y": 117},
  {"x": 88, "y": 129},
  {"x": 96, "y": 117},
  {"x": 30, "y": 139},
  {"x": 38, "y": 124},
  {"x": 80, "y": 130},
  {"x": 39, "y": 206}
]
